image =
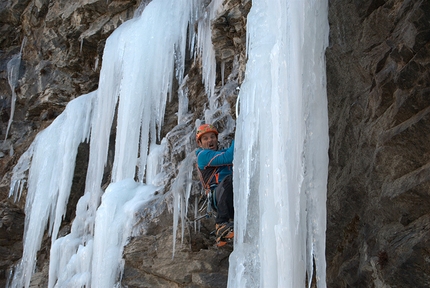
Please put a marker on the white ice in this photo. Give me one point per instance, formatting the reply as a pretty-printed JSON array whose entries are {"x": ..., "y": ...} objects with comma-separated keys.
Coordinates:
[
  {"x": 13, "y": 67},
  {"x": 50, "y": 163},
  {"x": 140, "y": 60},
  {"x": 281, "y": 152},
  {"x": 280, "y": 163}
]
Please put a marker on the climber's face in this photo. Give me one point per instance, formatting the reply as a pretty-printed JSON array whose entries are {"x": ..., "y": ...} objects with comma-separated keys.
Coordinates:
[{"x": 209, "y": 141}]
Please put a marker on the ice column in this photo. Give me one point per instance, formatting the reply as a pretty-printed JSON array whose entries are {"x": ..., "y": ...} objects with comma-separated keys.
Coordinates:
[
  {"x": 50, "y": 163},
  {"x": 139, "y": 62},
  {"x": 13, "y": 67},
  {"x": 136, "y": 79},
  {"x": 281, "y": 156}
]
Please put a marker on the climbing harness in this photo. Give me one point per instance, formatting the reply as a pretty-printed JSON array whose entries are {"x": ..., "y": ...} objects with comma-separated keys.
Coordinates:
[{"x": 212, "y": 175}]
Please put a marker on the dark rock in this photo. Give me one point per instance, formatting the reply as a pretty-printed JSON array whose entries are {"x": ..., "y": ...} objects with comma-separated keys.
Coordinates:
[{"x": 378, "y": 115}]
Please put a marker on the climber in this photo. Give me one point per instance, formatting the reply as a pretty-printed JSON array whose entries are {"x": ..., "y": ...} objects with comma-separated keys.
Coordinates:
[{"x": 215, "y": 169}]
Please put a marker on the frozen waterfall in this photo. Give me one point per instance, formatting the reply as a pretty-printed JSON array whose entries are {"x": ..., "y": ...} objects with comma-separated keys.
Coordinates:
[
  {"x": 140, "y": 60},
  {"x": 281, "y": 152},
  {"x": 281, "y": 147}
]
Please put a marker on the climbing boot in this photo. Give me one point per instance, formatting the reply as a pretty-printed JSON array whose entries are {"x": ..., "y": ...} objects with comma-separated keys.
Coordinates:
[{"x": 224, "y": 233}]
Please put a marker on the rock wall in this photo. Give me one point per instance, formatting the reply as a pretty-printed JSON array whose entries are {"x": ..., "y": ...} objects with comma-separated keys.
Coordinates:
[
  {"x": 378, "y": 96},
  {"x": 378, "y": 190}
]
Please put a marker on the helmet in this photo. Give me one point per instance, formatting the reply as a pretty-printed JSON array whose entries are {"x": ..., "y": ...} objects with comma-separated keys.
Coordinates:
[{"x": 205, "y": 128}]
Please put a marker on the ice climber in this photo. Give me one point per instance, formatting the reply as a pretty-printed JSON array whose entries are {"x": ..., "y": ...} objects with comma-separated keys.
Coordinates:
[{"x": 215, "y": 170}]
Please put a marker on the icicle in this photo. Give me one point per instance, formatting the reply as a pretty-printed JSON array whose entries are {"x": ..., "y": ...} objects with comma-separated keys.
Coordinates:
[
  {"x": 317, "y": 140},
  {"x": 196, "y": 205},
  {"x": 53, "y": 155},
  {"x": 281, "y": 148},
  {"x": 222, "y": 72},
  {"x": 96, "y": 63},
  {"x": 205, "y": 48},
  {"x": 154, "y": 175},
  {"x": 181, "y": 192},
  {"x": 183, "y": 101},
  {"x": 20, "y": 173},
  {"x": 13, "y": 67}
]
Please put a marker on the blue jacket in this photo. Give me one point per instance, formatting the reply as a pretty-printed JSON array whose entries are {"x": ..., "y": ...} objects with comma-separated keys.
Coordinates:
[{"x": 223, "y": 159}]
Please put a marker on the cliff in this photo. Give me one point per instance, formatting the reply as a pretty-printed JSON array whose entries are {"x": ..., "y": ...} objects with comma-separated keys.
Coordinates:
[{"x": 378, "y": 87}]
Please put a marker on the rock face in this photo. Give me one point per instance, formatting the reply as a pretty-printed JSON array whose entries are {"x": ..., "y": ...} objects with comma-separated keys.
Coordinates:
[
  {"x": 378, "y": 222},
  {"x": 378, "y": 191}
]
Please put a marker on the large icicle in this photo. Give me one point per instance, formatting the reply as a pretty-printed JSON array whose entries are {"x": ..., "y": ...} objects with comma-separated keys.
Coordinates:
[
  {"x": 281, "y": 148},
  {"x": 49, "y": 180},
  {"x": 137, "y": 71},
  {"x": 136, "y": 78},
  {"x": 317, "y": 139}
]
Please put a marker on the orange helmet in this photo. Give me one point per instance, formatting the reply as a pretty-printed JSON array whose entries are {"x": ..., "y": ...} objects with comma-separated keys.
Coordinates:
[{"x": 205, "y": 128}]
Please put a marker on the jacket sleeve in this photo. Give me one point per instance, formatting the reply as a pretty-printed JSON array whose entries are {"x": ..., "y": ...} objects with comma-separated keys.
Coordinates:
[{"x": 209, "y": 157}]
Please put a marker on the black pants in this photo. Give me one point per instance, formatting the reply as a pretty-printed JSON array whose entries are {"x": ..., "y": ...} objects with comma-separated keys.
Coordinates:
[{"x": 224, "y": 200}]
